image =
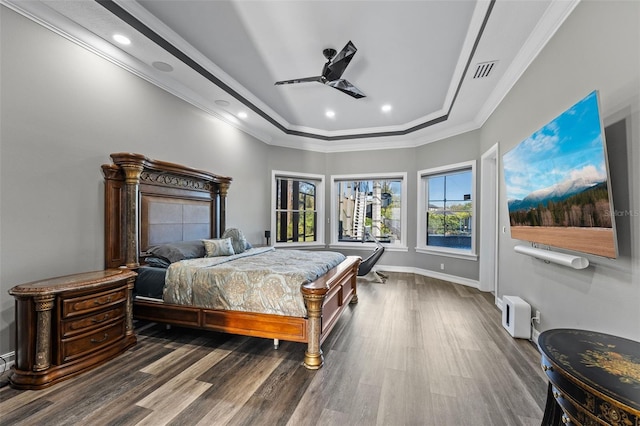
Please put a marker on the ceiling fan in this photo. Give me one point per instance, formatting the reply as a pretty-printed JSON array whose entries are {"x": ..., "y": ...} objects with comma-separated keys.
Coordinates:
[{"x": 332, "y": 71}]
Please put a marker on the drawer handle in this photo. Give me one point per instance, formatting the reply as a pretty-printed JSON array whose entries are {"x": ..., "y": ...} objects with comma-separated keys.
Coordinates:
[
  {"x": 566, "y": 420},
  {"x": 106, "y": 336},
  {"x": 547, "y": 367},
  {"x": 97, "y": 320},
  {"x": 557, "y": 394},
  {"x": 97, "y": 302}
]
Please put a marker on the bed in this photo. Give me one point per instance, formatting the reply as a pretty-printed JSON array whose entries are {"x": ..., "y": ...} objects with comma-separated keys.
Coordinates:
[{"x": 150, "y": 203}]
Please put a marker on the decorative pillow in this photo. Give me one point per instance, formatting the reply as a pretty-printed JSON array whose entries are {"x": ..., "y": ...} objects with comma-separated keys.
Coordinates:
[
  {"x": 219, "y": 247},
  {"x": 174, "y": 252},
  {"x": 158, "y": 262},
  {"x": 237, "y": 239}
]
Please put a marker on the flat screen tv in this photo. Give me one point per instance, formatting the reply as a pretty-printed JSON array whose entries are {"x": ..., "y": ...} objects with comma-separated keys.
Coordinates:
[{"x": 557, "y": 183}]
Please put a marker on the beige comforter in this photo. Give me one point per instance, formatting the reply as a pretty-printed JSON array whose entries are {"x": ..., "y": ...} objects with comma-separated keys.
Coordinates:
[{"x": 261, "y": 280}]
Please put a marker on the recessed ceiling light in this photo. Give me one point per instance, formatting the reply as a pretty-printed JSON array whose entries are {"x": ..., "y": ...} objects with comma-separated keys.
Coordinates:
[
  {"x": 162, "y": 66},
  {"x": 221, "y": 102},
  {"x": 330, "y": 113},
  {"x": 242, "y": 115},
  {"x": 386, "y": 108},
  {"x": 122, "y": 39}
]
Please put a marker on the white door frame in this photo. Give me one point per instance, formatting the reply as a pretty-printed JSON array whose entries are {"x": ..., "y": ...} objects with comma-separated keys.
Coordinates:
[{"x": 488, "y": 275}]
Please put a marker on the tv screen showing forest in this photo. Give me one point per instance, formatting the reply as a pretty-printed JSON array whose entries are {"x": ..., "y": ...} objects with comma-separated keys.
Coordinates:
[{"x": 557, "y": 184}]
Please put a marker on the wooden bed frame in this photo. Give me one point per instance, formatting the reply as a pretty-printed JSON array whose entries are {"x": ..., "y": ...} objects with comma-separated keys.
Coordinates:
[{"x": 149, "y": 202}]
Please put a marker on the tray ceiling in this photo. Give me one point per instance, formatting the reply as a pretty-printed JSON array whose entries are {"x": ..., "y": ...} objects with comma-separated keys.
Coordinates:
[{"x": 441, "y": 67}]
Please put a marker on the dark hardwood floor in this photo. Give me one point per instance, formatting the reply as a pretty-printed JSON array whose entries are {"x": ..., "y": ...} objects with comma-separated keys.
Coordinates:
[{"x": 413, "y": 351}]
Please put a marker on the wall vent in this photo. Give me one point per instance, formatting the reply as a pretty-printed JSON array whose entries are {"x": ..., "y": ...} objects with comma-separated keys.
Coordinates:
[{"x": 484, "y": 69}]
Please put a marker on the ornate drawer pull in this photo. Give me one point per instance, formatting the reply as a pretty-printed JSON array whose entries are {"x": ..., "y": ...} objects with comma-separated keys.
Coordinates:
[
  {"x": 566, "y": 420},
  {"x": 106, "y": 336},
  {"x": 96, "y": 320},
  {"x": 557, "y": 394},
  {"x": 547, "y": 367},
  {"x": 97, "y": 302}
]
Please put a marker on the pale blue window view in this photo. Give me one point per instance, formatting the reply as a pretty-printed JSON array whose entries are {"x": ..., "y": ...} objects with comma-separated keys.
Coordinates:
[{"x": 449, "y": 210}]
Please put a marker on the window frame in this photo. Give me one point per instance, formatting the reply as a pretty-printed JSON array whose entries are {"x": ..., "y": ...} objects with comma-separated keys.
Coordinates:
[
  {"x": 421, "y": 226},
  {"x": 334, "y": 215},
  {"x": 319, "y": 202}
]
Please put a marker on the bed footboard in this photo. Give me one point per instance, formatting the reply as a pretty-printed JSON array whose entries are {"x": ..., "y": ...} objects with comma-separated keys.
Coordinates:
[
  {"x": 244, "y": 323},
  {"x": 326, "y": 298}
]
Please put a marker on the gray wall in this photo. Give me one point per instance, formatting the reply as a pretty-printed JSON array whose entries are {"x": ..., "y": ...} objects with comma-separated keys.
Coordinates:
[
  {"x": 598, "y": 47},
  {"x": 64, "y": 110},
  {"x": 411, "y": 160},
  {"x": 452, "y": 150}
]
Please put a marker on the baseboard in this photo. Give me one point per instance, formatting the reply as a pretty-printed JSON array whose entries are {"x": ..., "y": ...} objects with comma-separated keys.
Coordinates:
[
  {"x": 9, "y": 360},
  {"x": 534, "y": 335},
  {"x": 428, "y": 273},
  {"x": 499, "y": 303}
]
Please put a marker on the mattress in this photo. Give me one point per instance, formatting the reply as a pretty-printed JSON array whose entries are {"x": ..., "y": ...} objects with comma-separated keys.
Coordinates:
[{"x": 260, "y": 280}]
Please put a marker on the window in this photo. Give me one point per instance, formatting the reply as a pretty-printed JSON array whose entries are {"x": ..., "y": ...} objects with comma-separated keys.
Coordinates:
[
  {"x": 446, "y": 223},
  {"x": 298, "y": 203},
  {"x": 369, "y": 206}
]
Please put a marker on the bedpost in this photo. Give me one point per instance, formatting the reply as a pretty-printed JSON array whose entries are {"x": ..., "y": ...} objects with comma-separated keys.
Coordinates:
[
  {"x": 113, "y": 220},
  {"x": 132, "y": 166},
  {"x": 224, "y": 188},
  {"x": 313, "y": 358},
  {"x": 325, "y": 299},
  {"x": 132, "y": 174}
]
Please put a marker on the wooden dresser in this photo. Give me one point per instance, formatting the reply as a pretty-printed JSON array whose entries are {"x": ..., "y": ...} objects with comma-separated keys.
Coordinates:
[
  {"x": 68, "y": 325},
  {"x": 594, "y": 378}
]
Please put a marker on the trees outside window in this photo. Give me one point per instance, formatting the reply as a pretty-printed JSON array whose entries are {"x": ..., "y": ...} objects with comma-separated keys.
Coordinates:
[{"x": 297, "y": 203}]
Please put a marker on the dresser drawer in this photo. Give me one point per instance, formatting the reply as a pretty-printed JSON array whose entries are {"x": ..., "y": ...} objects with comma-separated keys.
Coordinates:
[
  {"x": 90, "y": 303},
  {"x": 83, "y": 324},
  {"x": 84, "y": 344},
  {"x": 71, "y": 324}
]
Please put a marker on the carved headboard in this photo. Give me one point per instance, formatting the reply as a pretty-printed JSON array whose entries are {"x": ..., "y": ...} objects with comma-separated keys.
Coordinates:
[{"x": 149, "y": 202}]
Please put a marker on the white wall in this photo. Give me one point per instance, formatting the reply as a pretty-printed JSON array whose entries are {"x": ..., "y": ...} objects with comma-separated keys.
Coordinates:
[{"x": 598, "y": 47}]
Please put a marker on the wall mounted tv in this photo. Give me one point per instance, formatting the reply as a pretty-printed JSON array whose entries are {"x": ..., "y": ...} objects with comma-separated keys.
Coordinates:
[{"x": 557, "y": 183}]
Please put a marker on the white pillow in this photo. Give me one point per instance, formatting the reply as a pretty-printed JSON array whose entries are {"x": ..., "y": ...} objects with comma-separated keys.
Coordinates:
[
  {"x": 218, "y": 247},
  {"x": 238, "y": 240}
]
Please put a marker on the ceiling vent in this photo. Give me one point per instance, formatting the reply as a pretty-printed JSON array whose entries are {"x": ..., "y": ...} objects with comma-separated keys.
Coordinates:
[{"x": 484, "y": 69}]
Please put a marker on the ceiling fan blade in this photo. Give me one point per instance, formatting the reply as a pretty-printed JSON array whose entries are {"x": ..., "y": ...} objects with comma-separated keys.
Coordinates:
[
  {"x": 319, "y": 79},
  {"x": 346, "y": 87},
  {"x": 334, "y": 70}
]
